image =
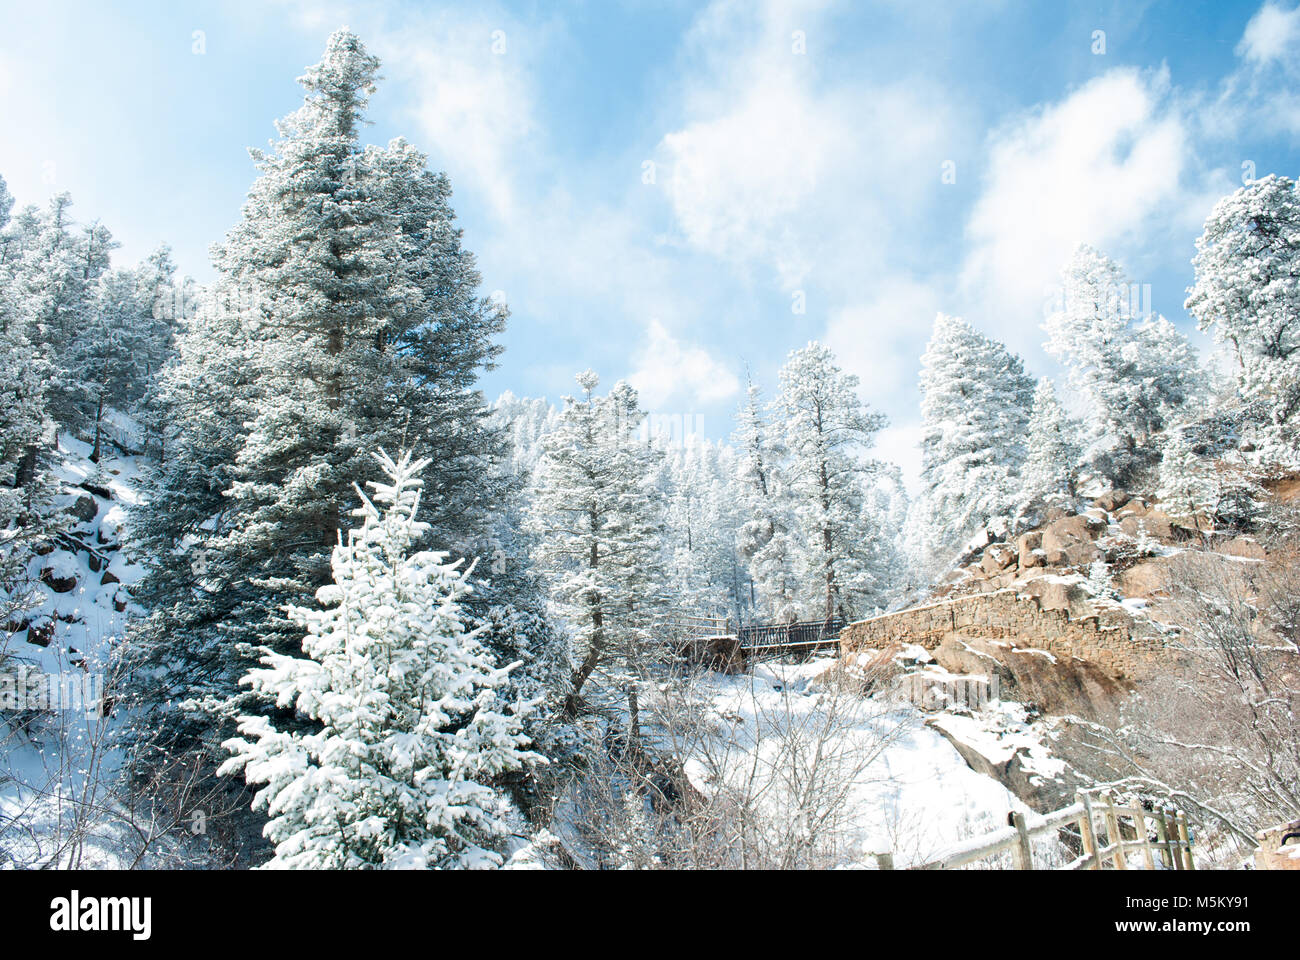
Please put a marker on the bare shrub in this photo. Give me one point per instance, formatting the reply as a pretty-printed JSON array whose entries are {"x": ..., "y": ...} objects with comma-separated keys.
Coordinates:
[
  {"x": 767, "y": 784},
  {"x": 1222, "y": 737}
]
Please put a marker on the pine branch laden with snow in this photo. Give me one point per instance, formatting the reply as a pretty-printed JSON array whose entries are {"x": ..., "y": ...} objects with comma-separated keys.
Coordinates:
[
  {"x": 1132, "y": 375},
  {"x": 1247, "y": 294},
  {"x": 410, "y": 728}
]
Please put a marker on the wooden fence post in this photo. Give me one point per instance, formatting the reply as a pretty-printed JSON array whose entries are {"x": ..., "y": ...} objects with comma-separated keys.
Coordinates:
[
  {"x": 1087, "y": 833},
  {"x": 1140, "y": 823},
  {"x": 1022, "y": 854},
  {"x": 1171, "y": 830},
  {"x": 1185, "y": 840},
  {"x": 1162, "y": 838},
  {"x": 1113, "y": 836}
]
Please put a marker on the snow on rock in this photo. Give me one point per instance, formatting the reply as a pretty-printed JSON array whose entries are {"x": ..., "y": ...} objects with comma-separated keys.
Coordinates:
[{"x": 49, "y": 764}]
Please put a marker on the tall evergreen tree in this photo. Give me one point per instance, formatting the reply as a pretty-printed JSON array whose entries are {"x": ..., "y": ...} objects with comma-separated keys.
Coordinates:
[
  {"x": 1247, "y": 293},
  {"x": 975, "y": 401},
  {"x": 827, "y": 432},
  {"x": 344, "y": 318},
  {"x": 764, "y": 539},
  {"x": 598, "y": 521},
  {"x": 1047, "y": 477}
]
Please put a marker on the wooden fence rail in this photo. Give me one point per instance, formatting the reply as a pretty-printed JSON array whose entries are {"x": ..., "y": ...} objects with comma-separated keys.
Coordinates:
[{"x": 1122, "y": 836}]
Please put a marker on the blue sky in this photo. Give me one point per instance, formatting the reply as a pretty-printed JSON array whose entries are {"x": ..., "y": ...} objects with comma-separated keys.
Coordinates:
[{"x": 654, "y": 187}]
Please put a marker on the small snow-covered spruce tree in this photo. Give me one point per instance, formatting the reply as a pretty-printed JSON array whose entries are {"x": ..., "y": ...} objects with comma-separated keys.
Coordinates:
[
  {"x": 1187, "y": 483},
  {"x": 406, "y": 702}
]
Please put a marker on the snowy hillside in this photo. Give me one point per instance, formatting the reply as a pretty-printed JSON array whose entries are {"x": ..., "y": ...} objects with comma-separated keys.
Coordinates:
[{"x": 57, "y": 758}]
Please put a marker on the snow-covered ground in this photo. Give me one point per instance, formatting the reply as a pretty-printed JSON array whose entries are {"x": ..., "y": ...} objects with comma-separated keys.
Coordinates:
[
  {"x": 786, "y": 752},
  {"x": 911, "y": 793}
]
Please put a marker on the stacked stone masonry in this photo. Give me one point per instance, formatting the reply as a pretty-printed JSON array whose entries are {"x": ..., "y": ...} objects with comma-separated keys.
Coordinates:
[{"x": 1111, "y": 639}]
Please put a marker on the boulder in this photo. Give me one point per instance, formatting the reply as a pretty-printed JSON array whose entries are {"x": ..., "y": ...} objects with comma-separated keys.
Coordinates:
[
  {"x": 1055, "y": 593},
  {"x": 59, "y": 579},
  {"x": 1027, "y": 543},
  {"x": 1137, "y": 507},
  {"x": 93, "y": 561},
  {"x": 1068, "y": 531},
  {"x": 997, "y": 558},
  {"x": 1111, "y": 501},
  {"x": 1144, "y": 579},
  {"x": 1027, "y": 674},
  {"x": 1158, "y": 524},
  {"x": 84, "y": 508},
  {"x": 1245, "y": 547},
  {"x": 1032, "y": 559},
  {"x": 41, "y": 634},
  {"x": 97, "y": 490},
  {"x": 109, "y": 577},
  {"x": 119, "y": 602}
]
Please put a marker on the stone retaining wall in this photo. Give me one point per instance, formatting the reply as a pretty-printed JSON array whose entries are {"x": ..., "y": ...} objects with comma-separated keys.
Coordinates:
[{"x": 1110, "y": 639}]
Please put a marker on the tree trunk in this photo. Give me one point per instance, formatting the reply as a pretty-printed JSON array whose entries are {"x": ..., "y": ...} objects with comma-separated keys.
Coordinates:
[{"x": 99, "y": 419}]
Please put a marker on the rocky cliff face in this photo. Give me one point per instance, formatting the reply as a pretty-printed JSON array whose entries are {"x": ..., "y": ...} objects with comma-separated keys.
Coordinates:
[
  {"x": 1130, "y": 534},
  {"x": 1064, "y": 617}
]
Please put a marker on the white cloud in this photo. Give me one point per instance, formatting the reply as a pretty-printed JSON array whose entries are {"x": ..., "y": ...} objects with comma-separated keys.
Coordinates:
[
  {"x": 473, "y": 105},
  {"x": 669, "y": 371},
  {"x": 1261, "y": 93},
  {"x": 776, "y": 165},
  {"x": 881, "y": 340},
  {"x": 1272, "y": 34},
  {"x": 1112, "y": 165}
]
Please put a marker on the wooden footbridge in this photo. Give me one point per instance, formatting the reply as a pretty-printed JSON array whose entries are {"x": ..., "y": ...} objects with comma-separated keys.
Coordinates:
[{"x": 761, "y": 641}]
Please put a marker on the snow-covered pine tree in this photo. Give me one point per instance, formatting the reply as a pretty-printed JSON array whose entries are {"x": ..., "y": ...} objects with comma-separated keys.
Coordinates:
[
  {"x": 180, "y": 653},
  {"x": 702, "y": 521},
  {"x": 26, "y": 487},
  {"x": 1047, "y": 477},
  {"x": 405, "y": 696},
  {"x": 344, "y": 317},
  {"x": 826, "y": 433},
  {"x": 1188, "y": 485},
  {"x": 975, "y": 401},
  {"x": 598, "y": 520},
  {"x": 764, "y": 537},
  {"x": 1247, "y": 293},
  {"x": 1133, "y": 378},
  {"x": 106, "y": 360},
  {"x": 319, "y": 256}
]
